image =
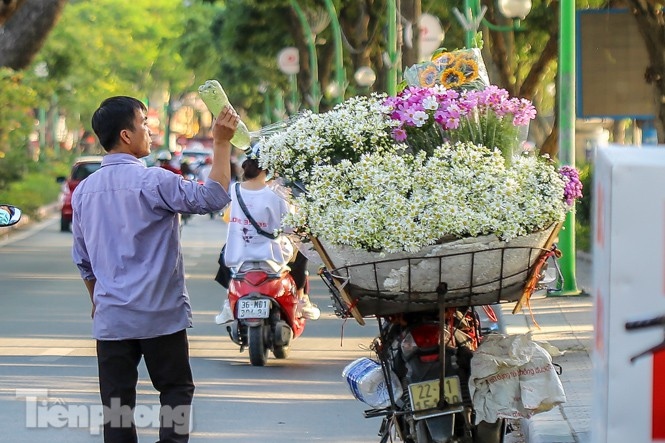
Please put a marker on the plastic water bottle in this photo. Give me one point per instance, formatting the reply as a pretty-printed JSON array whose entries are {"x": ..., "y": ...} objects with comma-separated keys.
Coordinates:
[
  {"x": 367, "y": 383},
  {"x": 215, "y": 98}
]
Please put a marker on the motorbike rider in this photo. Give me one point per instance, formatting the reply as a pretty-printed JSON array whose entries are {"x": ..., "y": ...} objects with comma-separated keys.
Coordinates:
[
  {"x": 164, "y": 161},
  {"x": 244, "y": 243},
  {"x": 204, "y": 169},
  {"x": 186, "y": 169}
]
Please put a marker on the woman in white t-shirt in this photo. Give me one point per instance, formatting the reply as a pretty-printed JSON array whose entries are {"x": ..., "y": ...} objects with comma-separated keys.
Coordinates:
[{"x": 244, "y": 243}]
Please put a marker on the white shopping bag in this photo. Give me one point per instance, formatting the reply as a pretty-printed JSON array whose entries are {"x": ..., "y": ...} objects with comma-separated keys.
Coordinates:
[{"x": 511, "y": 377}]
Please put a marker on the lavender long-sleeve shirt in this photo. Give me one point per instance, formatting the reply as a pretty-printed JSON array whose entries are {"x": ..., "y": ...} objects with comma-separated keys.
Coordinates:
[{"x": 126, "y": 236}]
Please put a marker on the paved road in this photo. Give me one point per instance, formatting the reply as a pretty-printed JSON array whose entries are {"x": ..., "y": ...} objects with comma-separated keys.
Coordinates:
[{"x": 48, "y": 383}]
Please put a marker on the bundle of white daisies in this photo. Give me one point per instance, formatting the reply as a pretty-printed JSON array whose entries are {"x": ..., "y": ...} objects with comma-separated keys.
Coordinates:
[{"x": 366, "y": 190}]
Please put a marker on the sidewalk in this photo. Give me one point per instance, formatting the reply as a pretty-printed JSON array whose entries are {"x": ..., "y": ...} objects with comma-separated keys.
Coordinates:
[{"x": 566, "y": 322}]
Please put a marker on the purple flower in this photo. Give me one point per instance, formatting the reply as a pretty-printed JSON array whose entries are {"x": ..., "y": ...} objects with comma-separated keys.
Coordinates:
[
  {"x": 573, "y": 188},
  {"x": 415, "y": 105},
  {"x": 399, "y": 134},
  {"x": 524, "y": 112}
]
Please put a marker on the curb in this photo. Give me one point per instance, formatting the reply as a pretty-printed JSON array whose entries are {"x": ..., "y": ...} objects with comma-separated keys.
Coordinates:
[{"x": 547, "y": 428}]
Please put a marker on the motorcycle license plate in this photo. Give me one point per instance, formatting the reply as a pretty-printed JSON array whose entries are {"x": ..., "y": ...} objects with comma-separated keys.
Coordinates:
[
  {"x": 425, "y": 395},
  {"x": 253, "y": 308}
]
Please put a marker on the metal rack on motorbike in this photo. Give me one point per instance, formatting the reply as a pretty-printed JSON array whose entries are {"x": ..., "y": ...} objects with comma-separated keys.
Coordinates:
[{"x": 435, "y": 290}]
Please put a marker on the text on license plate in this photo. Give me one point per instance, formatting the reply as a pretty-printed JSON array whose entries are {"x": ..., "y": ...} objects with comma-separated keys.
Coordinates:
[
  {"x": 253, "y": 308},
  {"x": 425, "y": 395}
]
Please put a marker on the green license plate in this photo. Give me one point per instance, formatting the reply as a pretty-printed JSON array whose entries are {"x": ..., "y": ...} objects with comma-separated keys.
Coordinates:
[{"x": 425, "y": 395}]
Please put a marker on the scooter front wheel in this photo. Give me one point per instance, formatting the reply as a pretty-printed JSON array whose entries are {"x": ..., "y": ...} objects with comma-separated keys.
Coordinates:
[
  {"x": 281, "y": 351},
  {"x": 258, "y": 351}
]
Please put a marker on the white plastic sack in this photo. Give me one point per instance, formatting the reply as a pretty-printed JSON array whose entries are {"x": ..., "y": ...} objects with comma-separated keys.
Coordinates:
[{"x": 512, "y": 377}]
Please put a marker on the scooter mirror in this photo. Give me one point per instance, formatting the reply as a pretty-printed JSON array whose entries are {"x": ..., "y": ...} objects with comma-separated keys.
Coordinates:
[{"x": 14, "y": 214}]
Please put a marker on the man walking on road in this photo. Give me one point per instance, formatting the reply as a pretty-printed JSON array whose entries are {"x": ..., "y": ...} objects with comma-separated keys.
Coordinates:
[{"x": 127, "y": 249}]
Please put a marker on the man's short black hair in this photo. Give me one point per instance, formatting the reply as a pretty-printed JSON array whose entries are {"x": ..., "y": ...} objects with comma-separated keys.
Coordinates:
[{"x": 113, "y": 115}]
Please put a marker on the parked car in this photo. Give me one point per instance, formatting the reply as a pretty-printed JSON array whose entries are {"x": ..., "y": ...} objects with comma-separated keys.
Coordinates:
[{"x": 82, "y": 167}]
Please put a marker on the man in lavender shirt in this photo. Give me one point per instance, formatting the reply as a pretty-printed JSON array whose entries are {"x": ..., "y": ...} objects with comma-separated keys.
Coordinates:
[{"x": 127, "y": 249}]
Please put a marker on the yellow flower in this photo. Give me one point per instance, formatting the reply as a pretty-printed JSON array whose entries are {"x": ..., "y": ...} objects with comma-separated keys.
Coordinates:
[
  {"x": 452, "y": 78},
  {"x": 469, "y": 67},
  {"x": 444, "y": 59},
  {"x": 427, "y": 77}
]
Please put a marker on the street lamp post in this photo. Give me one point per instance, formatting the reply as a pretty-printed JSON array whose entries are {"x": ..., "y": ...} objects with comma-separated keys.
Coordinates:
[
  {"x": 288, "y": 61},
  {"x": 391, "y": 80},
  {"x": 566, "y": 91}
]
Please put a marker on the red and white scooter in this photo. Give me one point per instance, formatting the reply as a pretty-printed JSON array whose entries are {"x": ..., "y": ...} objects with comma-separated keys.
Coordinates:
[{"x": 264, "y": 302}]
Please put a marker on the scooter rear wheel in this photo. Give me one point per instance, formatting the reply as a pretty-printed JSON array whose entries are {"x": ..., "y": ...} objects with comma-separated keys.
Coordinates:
[{"x": 258, "y": 352}]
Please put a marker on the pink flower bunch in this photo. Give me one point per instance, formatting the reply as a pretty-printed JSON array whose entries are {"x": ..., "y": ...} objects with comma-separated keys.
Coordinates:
[
  {"x": 573, "y": 189},
  {"x": 414, "y": 106},
  {"x": 488, "y": 117}
]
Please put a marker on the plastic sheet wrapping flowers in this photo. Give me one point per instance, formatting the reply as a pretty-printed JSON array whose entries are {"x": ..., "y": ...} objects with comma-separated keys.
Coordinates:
[
  {"x": 399, "y": 173},
  {"x": 463, "y": 68}
]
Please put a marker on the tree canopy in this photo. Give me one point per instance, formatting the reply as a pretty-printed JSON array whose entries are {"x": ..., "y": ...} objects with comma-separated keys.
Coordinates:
[{"x": 161, "y": 50}]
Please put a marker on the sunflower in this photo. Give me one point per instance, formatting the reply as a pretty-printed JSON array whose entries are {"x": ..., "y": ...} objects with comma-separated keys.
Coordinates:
[
  {"x": 452, "y": 78},
  {"x": 427, "y": 76},
  {"x": 444, "y": 59},
  {"x": 469, "y": 67}
]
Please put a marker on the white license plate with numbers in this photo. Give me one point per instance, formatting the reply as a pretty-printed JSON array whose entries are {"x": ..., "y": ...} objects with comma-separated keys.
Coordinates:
[
  {"x": 253, "y": 308},
  {"x": 425, "y": 395}
]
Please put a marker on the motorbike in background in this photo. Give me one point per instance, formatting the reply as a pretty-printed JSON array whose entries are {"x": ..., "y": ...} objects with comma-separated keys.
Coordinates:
[
  {"x": 264, "y": 302},
  {"x": 14, "y": 215}
]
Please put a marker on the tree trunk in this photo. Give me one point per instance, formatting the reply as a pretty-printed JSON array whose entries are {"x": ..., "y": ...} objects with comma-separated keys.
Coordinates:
[
  {"x": 361, "y": 27},
  {"x": 411, "y": 11},
  {"x": 547, "y": 56},
  {"x": 500, "y": 48},
  {"x": 501, "y": 51},
  {"x": 551, "y": 144},
  {"x": 8, "y": 8},
  {"x": 651, "y": 26},
  {"x": 619, "y": 132},
  {"x": 26, "y": 30}
]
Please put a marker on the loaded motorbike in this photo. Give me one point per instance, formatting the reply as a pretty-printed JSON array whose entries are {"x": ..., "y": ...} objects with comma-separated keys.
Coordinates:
[
  {"x": 416, "y": 352},
  {"x": 263, "y": 299},
  {"x": 417, "y": 378}
]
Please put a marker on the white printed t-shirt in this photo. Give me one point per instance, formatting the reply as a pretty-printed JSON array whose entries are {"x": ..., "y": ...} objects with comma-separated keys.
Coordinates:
[{"x": 243, "y": 243}]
